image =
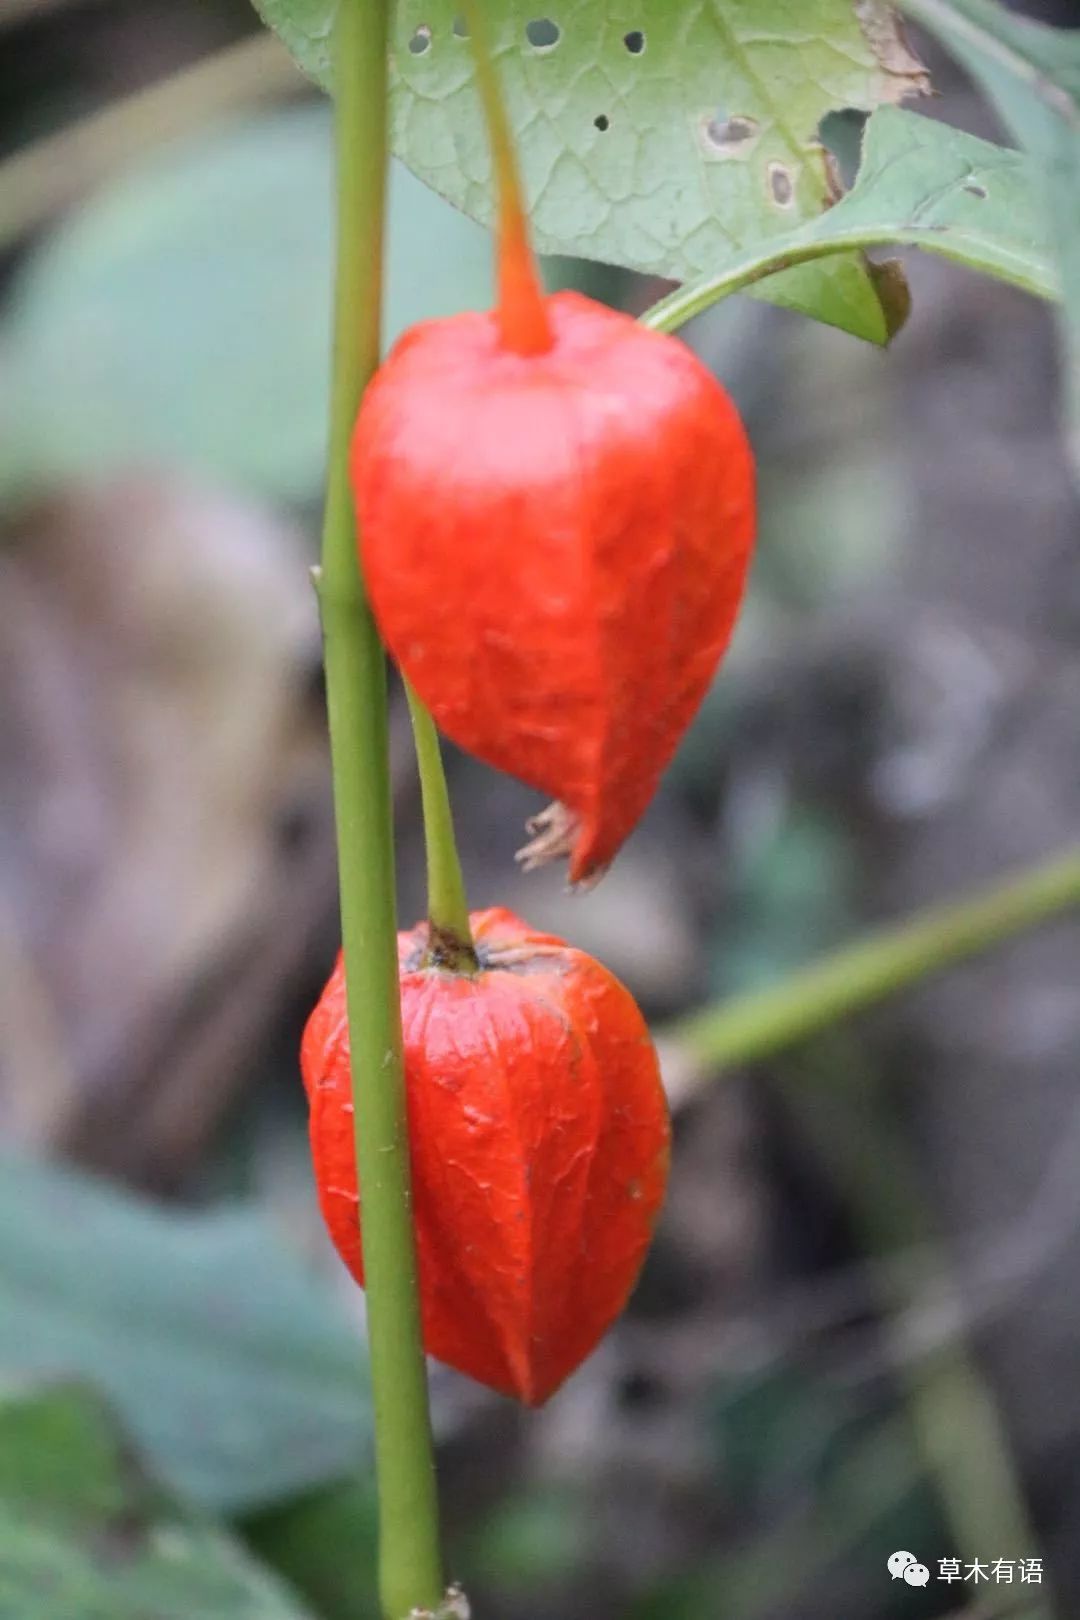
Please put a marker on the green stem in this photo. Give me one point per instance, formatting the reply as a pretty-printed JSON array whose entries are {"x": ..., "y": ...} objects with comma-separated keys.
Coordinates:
[
  {"x": 451, "y": 942},
  {"x": 758, "y": 263},
  {"x": 756, "y": 1025},
  {"x": 410, "y": 1567}
]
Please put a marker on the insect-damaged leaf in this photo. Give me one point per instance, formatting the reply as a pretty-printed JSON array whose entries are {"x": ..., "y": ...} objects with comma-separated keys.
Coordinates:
[{"x": 657, "y": 136}]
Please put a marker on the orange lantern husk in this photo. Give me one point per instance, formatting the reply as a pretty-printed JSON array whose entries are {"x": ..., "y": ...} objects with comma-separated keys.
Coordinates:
[
  {"x": 539, "y": 1145},
  {"x": 556, "y": 511}
]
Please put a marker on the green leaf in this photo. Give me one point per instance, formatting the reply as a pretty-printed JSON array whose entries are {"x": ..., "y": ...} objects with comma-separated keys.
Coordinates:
[
  {"x": 654, "y": 135},
  {"x": 922, "y": 184},
  {"x": 1032, "y": 74},
  {"x": 303, "y": 1540},
  {"x": 182, "y": 317},
  {"x": 535, "y": 1537},
  {"x": 226, "y": 1360},
  {"x": 85, "y": 1536}
]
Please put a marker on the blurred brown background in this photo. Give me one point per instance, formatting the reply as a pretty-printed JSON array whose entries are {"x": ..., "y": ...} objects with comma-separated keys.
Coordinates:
[{"x": 864, "y": 1285}]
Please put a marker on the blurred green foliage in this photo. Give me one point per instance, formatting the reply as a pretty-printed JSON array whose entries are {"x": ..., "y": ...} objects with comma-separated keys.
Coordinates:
[
  {"x": 227, "y": 1360},
  {"x": 181, "y": 317},
  {"x": 1031, "y": 73},
  {"x": 324, "y": 1544},
  {"x": 84, "y": 1533}
]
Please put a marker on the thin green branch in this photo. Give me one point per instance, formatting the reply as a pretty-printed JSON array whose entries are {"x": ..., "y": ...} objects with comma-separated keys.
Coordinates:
[
  {"x": 759, "y": 263},
  {"x": 451, "y": 944},
  {"x": 410, "y": 1568},
  {"x": 763, "y": 1022},
  {"x": 956, "y": 1425}
]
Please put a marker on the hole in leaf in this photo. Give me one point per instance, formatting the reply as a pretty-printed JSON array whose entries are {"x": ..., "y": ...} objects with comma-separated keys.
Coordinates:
[
  {"x": 543, "y": 33},
  {"x": 781, "y": 185},
  {"x": 602, "y": 122},
  {"x": 634, "y": 41},
  {"x": 973, "y": 189},
  {"x": 841, "y": 134},
  {"x": 420, "y": 41},
  {"x": 460, "y": 28}
]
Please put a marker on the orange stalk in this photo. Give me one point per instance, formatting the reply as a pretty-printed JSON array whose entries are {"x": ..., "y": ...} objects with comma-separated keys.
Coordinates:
[{"x": 523, "y": 316}]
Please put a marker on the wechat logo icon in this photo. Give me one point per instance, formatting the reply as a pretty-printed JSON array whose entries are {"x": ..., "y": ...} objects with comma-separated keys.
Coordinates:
[{"x": 904, "y": 1566}]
